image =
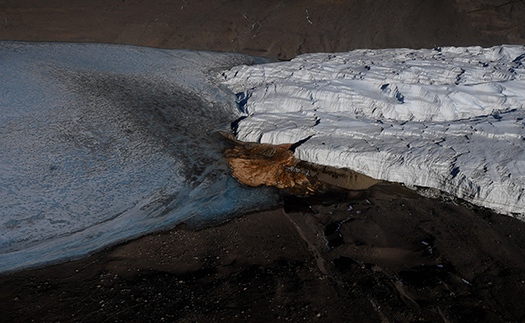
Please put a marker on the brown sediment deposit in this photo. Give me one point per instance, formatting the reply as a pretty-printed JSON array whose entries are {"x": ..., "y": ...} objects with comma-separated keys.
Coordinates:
[
  {"x": 271, "y": 165},
  {"x": 256, "y": 164}
]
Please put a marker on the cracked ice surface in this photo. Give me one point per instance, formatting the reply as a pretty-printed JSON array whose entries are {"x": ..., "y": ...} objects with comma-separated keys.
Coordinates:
[
  {"x": 102, "y": 143},
  {"x": 445, "y": 118}
]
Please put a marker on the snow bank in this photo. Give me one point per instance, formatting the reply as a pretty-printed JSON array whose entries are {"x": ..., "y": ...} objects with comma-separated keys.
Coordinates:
[{"x": 446, "y": 118}]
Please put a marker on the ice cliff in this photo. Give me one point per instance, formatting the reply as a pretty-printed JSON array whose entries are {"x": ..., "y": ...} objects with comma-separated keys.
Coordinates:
[{"x": 444, "y": 118}]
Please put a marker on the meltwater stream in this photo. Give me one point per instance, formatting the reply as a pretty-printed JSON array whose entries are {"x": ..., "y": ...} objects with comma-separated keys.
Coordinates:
[{"x": 102, "y": 143}]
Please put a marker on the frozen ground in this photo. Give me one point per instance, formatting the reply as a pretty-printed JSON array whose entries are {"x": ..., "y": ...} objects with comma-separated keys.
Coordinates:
[
  {"x": 102, "y": 143},
  {"x": 445, "y": 118}
]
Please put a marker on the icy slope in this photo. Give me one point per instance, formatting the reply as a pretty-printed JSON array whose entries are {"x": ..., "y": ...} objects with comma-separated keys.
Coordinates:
[
  {"x": 445, "y": 118},
  {"x": 102, "y": 143}
]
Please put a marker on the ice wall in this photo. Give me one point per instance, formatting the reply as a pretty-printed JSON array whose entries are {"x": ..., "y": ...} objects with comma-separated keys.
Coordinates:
[{"x": 446, "y": 118}]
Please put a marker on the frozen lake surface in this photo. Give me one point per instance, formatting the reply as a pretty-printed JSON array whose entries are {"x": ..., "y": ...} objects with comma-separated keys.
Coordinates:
[{"x": 102, "y": 143}]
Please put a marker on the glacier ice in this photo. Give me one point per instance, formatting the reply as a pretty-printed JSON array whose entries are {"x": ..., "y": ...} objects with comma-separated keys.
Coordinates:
[{"x": 448, "y": 118}]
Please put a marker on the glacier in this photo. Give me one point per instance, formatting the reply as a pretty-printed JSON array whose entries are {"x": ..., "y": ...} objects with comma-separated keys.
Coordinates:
[
  {"x": 449, "y": 119},
  {"x": 102, "y": 143}
]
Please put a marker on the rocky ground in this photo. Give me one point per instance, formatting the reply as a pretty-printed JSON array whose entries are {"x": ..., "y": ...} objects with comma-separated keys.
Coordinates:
[
  {"x": 386, "y": 254},
  {"x": 274, "y": 28}
]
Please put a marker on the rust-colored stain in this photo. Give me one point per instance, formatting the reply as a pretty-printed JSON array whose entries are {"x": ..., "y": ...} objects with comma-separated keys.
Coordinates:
[{"x": 255, "y": 164}]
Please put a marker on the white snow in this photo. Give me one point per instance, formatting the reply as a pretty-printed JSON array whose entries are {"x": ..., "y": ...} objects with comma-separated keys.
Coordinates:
[{"x": 446, "y": 118}]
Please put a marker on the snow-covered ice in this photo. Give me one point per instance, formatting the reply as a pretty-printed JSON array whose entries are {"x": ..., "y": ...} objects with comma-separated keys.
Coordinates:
[
  {"x": 445, "y": 118},
  {"x": 102, "y": 143}
]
